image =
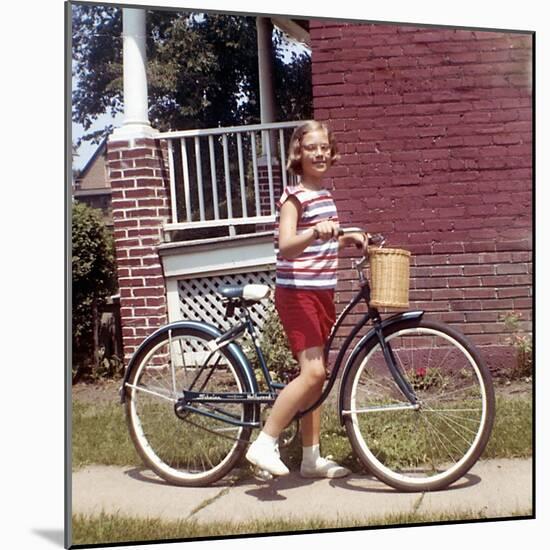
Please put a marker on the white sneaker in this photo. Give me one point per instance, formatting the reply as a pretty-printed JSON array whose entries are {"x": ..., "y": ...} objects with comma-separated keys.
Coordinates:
[
  {"x": 266, "y": 458},
  {"x": 324, "y": 468}
]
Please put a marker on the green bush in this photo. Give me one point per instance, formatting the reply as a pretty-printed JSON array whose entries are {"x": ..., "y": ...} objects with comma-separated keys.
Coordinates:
[
  {"x": 522, "y": 342},
  {"x": 93, "y": 280},
  {"x": 274, "y": 343}
]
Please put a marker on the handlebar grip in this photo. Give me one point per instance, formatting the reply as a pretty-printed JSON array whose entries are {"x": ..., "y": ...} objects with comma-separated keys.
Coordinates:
[{"x": 378, "y": 239}]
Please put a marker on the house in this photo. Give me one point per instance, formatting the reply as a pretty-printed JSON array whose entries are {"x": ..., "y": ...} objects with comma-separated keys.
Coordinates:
[
  {"x": 92, "y": 185},
  {"x": 435, "y": 132}
]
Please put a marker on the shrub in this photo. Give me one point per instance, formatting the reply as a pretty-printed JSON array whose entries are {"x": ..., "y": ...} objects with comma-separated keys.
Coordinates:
[
  {"x": 93, "y": 280},
  {"x": 274, "y": 343},
  {"x": 522, "y": 342}
]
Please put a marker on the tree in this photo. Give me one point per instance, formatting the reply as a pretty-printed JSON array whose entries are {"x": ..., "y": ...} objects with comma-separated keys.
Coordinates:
[
  {"x": 97, "y": 61},
  {"x": 202, "y": 70},
  {"x": 93, "y": 278},
  {"x": 293, "y": 91}
]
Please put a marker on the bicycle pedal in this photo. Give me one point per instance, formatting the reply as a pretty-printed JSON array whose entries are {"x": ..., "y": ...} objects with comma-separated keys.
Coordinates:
[{"x": 263, "y": 475}]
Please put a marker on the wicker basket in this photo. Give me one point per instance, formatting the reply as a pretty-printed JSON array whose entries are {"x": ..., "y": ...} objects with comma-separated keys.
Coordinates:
[{"x": 389, "y": 269}]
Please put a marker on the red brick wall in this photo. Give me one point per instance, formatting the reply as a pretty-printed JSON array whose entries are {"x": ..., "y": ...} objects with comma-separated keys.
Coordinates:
[
  {"x": 139, "y": 178},
  {"x": 435, "y": 131}
]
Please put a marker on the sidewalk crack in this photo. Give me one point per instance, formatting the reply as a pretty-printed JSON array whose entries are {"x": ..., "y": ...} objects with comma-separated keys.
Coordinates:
[
  {"x": 207, "y": 502},
  {"x": 238, "y": 476},
  {"x": 418, "y": 503}
]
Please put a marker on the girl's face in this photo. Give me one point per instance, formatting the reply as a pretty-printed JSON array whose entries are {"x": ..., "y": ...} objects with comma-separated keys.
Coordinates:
[{"x": 315, "y": 154}]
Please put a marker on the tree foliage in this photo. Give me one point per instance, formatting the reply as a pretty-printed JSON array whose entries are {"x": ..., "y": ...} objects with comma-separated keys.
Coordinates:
[
  {"x": 97, "y": 61},
  {"x": 293, "y": 92},
  {"x": 93, "y": 279},
  {"x": 202, "y": 70}
]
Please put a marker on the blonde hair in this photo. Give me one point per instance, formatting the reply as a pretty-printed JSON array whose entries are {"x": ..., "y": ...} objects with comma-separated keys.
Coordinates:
[{"x": 294, "y": 163}]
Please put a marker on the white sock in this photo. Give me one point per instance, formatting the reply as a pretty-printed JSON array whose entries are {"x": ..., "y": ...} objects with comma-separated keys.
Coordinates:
[
  {"x": 310, "y": 455},
  {"x": 267, "y": 440}
]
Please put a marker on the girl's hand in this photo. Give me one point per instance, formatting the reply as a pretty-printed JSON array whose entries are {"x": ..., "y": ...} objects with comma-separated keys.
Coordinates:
[
  {"x": 365, "y": 242},
  {"x": 326, "y": 230},
  {"x": 360, "y": 240}
]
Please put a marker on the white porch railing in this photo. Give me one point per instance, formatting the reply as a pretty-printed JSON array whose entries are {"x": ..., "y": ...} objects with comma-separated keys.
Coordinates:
[{"x": 215, "y": 175}]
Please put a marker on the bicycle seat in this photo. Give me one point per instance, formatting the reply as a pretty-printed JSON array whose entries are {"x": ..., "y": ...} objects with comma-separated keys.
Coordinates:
[{"x": 253, "y": 293}]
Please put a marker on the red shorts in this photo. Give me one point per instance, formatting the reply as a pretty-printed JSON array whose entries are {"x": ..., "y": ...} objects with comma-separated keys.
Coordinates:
[{"x": 307, "y": 316}]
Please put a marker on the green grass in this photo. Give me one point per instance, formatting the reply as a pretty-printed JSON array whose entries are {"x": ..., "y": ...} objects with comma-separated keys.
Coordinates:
[
  {"x": 109, "y": 528},
  {"x": 513, "y": 429},
  {"x": 511, "y": 436},
  {"x": 100, "y": 435}
]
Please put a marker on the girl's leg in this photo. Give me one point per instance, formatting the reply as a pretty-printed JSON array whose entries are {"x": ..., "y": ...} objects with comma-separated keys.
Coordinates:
[
  {"x": 310, "y": 425},
  {"x": 298, "y": 395},
  {"x": 313, "y": 465}
]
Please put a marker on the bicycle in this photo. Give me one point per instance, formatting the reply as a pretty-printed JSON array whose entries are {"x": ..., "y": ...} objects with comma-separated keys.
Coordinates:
[{"x": 415, "y": 397}]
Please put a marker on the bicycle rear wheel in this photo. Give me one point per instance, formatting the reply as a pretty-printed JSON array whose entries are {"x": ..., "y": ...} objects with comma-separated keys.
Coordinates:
[
  {"x": 187, "y": 448},
  {"x": 430, "y": 446}
]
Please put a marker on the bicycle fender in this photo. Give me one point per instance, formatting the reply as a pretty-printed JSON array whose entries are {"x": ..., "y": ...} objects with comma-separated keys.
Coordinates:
[
  {"x": 233, "y": 349},
  {"x": 397, "y": 318}
]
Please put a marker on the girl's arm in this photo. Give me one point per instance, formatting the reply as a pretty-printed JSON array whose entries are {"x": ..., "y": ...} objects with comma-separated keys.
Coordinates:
[{"x": 291, "y": 244}]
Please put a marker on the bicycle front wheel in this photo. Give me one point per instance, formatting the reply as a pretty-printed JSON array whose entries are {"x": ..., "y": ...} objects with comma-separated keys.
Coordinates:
[
  {"x": 429, "y": 446},
  {"x": 187, "y": 448}
]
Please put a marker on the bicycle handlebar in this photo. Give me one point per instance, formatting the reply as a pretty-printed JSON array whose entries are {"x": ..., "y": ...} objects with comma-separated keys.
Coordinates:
[{"x": 376, "y": 239}]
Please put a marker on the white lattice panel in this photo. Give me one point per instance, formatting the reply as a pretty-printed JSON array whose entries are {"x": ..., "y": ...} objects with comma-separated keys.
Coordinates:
[{"x": 199, "y": 298}]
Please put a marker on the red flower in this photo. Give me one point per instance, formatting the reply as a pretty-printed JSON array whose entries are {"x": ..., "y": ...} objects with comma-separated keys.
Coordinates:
[{"x": 420, "y": 371}]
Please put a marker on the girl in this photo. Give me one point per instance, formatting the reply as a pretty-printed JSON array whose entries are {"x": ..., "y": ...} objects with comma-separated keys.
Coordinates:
[{"x": 307, "y": 245}]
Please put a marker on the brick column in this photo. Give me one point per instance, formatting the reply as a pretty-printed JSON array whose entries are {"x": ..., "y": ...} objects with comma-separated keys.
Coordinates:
[{"x": 140, "y": 193}]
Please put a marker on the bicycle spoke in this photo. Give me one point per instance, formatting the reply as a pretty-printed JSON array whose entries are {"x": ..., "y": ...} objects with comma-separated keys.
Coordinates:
[
  {"x": 438, "y": 436},
  {"x": 452, "y": 425},
  {"x": 151, "y": 392},
  {"x": 450, "y": 395}
]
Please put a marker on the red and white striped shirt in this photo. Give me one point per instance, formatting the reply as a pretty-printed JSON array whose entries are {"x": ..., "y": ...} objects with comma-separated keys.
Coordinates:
[{"x": 316, "y": 267}]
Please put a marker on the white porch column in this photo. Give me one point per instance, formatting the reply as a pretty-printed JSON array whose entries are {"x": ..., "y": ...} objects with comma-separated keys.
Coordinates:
[
  {"x": 265, "y": 68},
  {"x": 136, "y": 118}
]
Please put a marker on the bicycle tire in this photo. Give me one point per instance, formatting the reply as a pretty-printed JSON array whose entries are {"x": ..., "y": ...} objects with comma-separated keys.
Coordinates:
[
  {"x": 191, "y": 449},
  {"x": 429, "y": 448}
]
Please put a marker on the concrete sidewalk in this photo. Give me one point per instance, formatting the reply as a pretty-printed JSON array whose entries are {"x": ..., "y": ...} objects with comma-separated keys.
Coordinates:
[{"x": 495, "y": 488}]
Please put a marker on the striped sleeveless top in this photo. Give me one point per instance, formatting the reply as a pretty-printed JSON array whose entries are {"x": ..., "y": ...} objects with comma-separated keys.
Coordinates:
[{"x": 316, "y": 267}]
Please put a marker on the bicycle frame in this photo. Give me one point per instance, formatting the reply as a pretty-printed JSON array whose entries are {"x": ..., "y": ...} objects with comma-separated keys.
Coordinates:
[
  {"x": 247, "y": 325},
  {"x": 377, "y": 332},
  {"x": 253, "y": 395},
  {"x": 211, "y": 383}
]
